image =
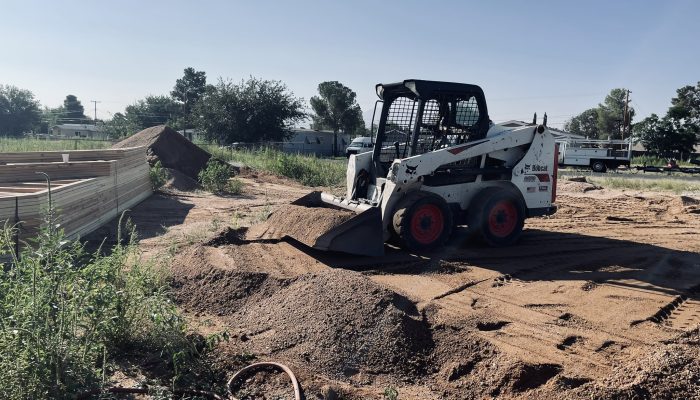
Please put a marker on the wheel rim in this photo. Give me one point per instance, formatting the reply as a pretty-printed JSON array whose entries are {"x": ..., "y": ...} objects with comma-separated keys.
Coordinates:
[
  {"x": 427, "y": 224},
  {"x": 503, "y": 218}
]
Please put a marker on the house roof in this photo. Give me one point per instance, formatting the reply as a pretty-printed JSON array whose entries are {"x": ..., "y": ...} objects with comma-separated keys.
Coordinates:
[
  {"x": 313, "y": 131},
  {"x": 84, "y": 127}
]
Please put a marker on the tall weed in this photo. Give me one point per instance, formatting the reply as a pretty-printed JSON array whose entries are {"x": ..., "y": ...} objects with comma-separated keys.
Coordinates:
[{"x": 65, "y": 314}]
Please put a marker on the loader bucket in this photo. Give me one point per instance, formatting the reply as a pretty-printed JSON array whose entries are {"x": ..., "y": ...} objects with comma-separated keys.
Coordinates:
[{"x": 320, "y": 221}]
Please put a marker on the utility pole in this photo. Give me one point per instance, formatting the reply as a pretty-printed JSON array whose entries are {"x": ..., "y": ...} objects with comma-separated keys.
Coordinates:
[
  {"x": 625, "y": 116},
  {"x": 95, "y": 101}
]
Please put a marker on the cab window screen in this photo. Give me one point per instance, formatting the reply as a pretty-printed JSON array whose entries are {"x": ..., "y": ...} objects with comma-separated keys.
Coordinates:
[{"x": 400, "y": 120}]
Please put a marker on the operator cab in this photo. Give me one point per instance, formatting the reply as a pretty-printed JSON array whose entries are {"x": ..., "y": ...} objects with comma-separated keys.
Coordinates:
[{"x": 422, "y": 116}]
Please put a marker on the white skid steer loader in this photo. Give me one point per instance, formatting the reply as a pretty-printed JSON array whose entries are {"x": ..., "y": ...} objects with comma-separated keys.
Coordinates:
[{"x": 438, "y": 161}]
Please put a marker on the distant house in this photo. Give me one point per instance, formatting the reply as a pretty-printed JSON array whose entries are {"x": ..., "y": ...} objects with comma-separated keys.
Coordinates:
[
  {"x": 194, "y": 135},
  {"x": 79, "y": 131},
  {"x": 320, "y": 143}
]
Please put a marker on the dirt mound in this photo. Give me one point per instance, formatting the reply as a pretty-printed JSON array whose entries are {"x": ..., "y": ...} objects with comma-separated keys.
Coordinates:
[
  {"x": 304, "y": 224},
  {"x": 684, "y": 205},
  {"x": 203, "y": 285},
  {"x": 671, "y": 371},
  {"x": 171, "y": 148},
  {"x": 339, "y": 323},
  {"x": 179, "y": 181},
  {"x": 576, "y": 185}
]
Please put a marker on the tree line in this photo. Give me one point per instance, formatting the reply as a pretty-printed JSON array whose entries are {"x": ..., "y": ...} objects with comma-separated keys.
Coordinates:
[
  {"x": 250, "y": 110},
  {"x": 254, "y": 110},
  {"x": 672, "y": 136}
]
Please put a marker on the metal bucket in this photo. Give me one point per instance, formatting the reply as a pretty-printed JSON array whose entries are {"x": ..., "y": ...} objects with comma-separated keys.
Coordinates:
[{"x": 361, "y": 234}]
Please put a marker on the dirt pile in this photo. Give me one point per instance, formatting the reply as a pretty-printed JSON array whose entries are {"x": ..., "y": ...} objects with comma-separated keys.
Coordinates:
[
  {"x": 171, "y": 148},
  {"x": 179, "y": 181},
  {"x": 577, "y": 185},
  {"x": 671, "y": 371},
  {"x": 684, "y": 205},
  {"x": 206, "y": 286},
  {"x": 304, "y": 224},
  {"x": 338, "y": 323}
]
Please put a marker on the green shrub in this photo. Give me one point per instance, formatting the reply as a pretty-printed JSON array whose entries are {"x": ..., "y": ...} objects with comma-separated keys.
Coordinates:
[
  {"x": 651, "y": 160},
  {"x": 65, "y": 314},
  {"x": 158, "y": 175},
  {"x": 215, "y": 176},
  {"x": 390, "y": 393},
  {"x": 235, "y": 186}
]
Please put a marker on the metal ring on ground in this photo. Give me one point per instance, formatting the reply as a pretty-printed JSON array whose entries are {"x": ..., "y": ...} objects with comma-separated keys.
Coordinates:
[{"x": 284, "y": 368}]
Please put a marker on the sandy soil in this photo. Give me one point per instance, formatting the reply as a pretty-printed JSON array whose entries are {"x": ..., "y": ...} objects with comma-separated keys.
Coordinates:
[{"x": 600, "y": 300}]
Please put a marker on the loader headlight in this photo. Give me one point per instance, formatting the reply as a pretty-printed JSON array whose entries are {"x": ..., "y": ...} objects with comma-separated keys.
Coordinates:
[{"x": 393, "y": 172}]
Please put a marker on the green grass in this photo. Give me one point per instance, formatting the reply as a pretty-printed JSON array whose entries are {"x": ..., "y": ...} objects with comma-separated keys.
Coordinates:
[
  {"x": 8, "y": 144},
  {"x": 655, "y": 161},
  {"x": 306, "y": 169},
  {"x": 664, "y": 185},
  {"x": 65, "y": 315}
]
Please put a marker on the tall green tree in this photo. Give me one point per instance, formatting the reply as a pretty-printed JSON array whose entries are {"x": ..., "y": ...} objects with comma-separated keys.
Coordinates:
[
  {"x": 686, "y": 105},
  {"x": 73, "y": 111},
  {"x": 611, "y": 114},
  {"x": 605, "y": 121},
  {"x": 336, "y": 108},
  {"x": 667, "y": 136},
  {"x": 249, "y": 111},
  {"x": 585, "y": 124},
  {"x": 152, "y": 111},
  {"x": 19, "y": 111},
  {"x": 190, "y": 88},
  {"x": 187, "y": 92}
]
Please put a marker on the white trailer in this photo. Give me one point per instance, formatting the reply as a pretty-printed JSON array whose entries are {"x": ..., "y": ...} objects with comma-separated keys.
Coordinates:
[{"x": 599, "y": 155}]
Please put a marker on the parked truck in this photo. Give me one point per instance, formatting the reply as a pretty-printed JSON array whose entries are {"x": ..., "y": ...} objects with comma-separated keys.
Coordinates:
[{"x": 598, "y": 155}]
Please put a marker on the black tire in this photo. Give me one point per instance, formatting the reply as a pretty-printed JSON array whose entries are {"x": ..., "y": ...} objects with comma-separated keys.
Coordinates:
[
  {"x": 422, "y": 221},
  {"x": 497, "y": 216},
  {"x": 598, "y": 166}
]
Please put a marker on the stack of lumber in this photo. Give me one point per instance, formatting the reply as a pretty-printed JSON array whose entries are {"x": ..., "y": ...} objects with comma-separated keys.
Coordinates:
[{"x": 86, "y": 192}]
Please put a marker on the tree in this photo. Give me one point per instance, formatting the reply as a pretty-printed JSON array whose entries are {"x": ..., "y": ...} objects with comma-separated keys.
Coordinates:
[
  {"x": 611, "y": 114},
  {"x": 585, "y": 124},
  {"x": 119, "y": 126},
  {"x": 189, "y": 88},
  {"x": 250, "y": 111},
  {"x": 73, "y": 111},
  {"x": 19, "y": 111},
  {"x": 686, "y": 106},
  {"x": 336, "y": 108},
  {"x": 152, "y": 111},
  {"x": 667, "y": 136}
]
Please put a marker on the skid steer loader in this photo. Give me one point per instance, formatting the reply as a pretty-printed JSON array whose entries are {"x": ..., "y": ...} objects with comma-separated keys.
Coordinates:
[{"x": 438, "y": 161}]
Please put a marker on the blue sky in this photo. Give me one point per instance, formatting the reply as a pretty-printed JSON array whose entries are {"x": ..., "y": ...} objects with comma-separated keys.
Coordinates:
[{"x": 561, "y": 57}]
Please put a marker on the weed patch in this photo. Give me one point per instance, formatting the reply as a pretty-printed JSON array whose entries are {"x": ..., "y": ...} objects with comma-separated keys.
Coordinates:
[
  {"x": 306, "y": 169},
  {"x": 65, "y": 315},
  {"x": 10, "y": 144},
  {"x": 667, "y": 185},
  {"x": 216, "y": 178},
  {"x": 158, "y": 175}
]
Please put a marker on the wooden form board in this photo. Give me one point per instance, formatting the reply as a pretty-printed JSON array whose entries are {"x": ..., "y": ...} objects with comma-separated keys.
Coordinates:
[{"x": 89, "y": 190}]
